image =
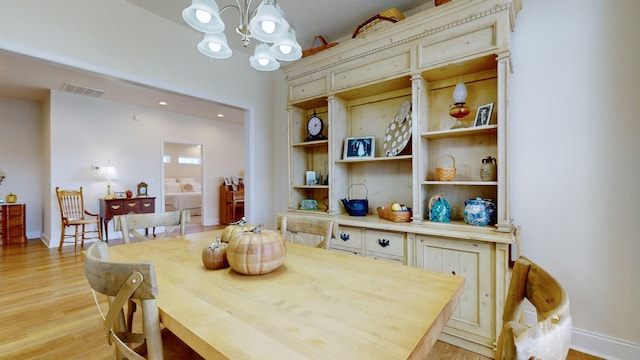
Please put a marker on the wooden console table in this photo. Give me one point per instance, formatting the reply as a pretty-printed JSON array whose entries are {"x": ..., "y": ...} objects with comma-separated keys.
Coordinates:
[
  {"x": 112, "y": 207},
  {"x": 13, "y": 223},
  {"x": 231, "y": 204}
]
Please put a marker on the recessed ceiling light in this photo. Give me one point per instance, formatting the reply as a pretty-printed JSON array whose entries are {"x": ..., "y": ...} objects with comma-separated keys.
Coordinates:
[
  {"x": 220, "y": 115},
  {"x": 163, "y": 103}
]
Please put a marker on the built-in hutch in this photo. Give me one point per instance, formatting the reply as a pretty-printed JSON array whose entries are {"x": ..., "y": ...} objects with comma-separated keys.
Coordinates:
[{"x": 357, "y": 89}]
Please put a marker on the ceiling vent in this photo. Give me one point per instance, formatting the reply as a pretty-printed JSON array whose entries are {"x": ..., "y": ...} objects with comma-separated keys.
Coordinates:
[{"x": 81, "y": 90}]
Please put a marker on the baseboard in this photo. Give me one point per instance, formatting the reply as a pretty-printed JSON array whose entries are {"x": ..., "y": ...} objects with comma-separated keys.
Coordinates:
[
  {"x": 604, "y": 346},
  {"x": 597, "y": 344}
]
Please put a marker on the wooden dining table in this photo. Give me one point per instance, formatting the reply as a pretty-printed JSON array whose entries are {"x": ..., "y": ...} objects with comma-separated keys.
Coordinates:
[{"x": 318, "y": 304}]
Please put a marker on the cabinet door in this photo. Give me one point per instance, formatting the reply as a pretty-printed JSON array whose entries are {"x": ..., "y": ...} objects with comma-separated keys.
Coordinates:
[{"x": 474, "y": 316}]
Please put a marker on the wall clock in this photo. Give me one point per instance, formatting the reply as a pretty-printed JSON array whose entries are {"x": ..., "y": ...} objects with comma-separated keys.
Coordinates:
[{"x": 315, "y": 125}]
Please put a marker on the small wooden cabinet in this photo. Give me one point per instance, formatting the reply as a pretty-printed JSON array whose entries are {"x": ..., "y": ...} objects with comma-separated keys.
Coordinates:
[
  {"x": 231, "y": 204},
  {"x": 13, "y": 224},
  {"x": 112, "y": 207}
]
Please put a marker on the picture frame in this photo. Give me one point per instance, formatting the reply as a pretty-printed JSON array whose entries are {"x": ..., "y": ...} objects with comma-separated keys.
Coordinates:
[
  {"x": 227, "y": 181},
  {"x": 310, "y": 178},
  {"x": 483, "y": 115},
  {"x": 120, "y": 194},
  {"x": 362, "y": 147}
]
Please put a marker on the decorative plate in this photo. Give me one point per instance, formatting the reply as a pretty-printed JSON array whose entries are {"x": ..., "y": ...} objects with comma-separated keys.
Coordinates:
[{"x": 398, "y": 133}]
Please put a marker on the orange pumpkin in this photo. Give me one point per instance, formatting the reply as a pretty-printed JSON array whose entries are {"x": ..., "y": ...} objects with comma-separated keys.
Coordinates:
[
  {"x": 256, "y": 252},
  {"x": 234, "y": 228},
  {"x": 214, "y": 256}
]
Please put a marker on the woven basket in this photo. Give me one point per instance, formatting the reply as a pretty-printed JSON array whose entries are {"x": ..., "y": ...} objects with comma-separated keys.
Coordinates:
[
  {"x": 318, "y": 44},
  {"x": 395, "y": 216},
  {"x": 391, "y": 15},
  {"x": 445, "y": 174}
]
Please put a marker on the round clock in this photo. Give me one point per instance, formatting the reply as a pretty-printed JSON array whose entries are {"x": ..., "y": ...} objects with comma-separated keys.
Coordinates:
[{"x": 315, "y": 125}]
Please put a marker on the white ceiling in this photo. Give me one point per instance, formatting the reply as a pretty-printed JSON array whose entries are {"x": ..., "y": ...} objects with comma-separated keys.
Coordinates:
[{"x": 28, "y": 78}]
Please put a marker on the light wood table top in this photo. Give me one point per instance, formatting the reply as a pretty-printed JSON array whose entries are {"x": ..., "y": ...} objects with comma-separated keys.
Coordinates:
[{"x": 318, "y": 305}]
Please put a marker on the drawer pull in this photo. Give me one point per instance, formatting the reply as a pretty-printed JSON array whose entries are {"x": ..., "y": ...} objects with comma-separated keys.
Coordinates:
[
  {"x": 383, "y": 242},
  {"x": 344, "y": 237},
  {"x": 115, "y": 207},
  {"x": 453, "y": 272},
  {"x": 146, "y": 205}
]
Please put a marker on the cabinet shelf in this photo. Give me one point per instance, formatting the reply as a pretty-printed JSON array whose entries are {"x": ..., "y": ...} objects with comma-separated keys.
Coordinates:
[
  {"x": 463, "y": 183},
  {"x": 444, "y": 134},
  {"x": 311, "y": 186},
  {"x": 380, "y": 158},
  {"x": 307, "y": 144}
]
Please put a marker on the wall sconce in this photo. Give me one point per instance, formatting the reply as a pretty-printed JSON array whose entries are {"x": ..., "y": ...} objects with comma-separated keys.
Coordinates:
[
  {"x": 109, "y": 173},
  {"x": 2, "y": 176},
  {"x": 459, "y": 109}
]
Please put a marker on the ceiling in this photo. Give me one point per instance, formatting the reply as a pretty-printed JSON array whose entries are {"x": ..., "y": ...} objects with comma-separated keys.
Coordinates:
[{"x": 28, "y": 78}]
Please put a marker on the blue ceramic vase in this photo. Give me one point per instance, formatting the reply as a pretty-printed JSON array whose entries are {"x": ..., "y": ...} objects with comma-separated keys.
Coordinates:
[
  {"x": 479, "y": 211},
  {"x": 440, "y": 211}
]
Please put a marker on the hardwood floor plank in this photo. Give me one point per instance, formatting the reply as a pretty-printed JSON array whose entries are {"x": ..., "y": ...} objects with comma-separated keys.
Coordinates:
[{"x": 47, "y": 311}]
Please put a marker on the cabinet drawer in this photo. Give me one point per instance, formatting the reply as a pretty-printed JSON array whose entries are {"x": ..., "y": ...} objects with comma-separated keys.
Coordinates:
[
  {"x": 384, "y": 242},
  {"x": 116, "y": 207},
  {"x": 349, "y": 238},
  {"x": 131, "y": 206},
  {"x": 146, "y": 205}
]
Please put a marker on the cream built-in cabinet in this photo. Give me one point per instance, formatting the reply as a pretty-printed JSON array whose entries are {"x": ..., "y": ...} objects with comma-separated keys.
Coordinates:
[{"x": 357, "y": 89}]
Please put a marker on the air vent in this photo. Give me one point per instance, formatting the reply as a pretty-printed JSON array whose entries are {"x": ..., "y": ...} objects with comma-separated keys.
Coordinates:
[{"x": 81, "y": 90}]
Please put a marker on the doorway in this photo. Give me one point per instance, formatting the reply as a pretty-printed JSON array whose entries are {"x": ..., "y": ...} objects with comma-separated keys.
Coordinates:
[{"x": 182, "y": 190}]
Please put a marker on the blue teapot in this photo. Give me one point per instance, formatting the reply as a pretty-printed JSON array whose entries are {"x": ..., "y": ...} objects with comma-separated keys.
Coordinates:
[{"x": 479, "y": 211}]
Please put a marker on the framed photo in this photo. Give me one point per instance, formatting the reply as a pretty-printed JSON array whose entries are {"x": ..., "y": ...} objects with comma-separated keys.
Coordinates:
[
  {"x": 234, "y": 180},
  {"x": 359, "y": 147},
  {"x": 310, "y": 178},
  {"x": 483, "y": 115},
  {"x": 120, "y": 194},
  {"x": 227, "y": 181}
]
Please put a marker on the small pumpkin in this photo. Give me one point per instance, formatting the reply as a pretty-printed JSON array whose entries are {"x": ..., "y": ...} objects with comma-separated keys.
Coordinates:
[
  {"x": 11, "y": 198},
  {"x": 214, "y": 256},
  {"x": 236, "y": 227},
  {"x": 256, "y": 252}
]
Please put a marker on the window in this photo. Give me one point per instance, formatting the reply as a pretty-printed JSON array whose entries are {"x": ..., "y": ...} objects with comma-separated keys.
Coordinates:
[
  {"x": 188, "y": 160},
  {"x": 166, "y": 159}
]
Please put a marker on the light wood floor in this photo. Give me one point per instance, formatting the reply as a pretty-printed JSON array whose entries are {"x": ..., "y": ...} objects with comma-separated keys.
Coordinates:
[{"x": 47, "y": 311}]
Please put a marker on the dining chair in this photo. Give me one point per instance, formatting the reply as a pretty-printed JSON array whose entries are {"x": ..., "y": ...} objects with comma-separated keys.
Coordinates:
[
  {"x": 122, "y": 283},
  {"x": 550, "y": 336},
  {"x": 292, "y": 228},
  {"x": 73, "y": 214},
  {"x": 129, "y": 224}
]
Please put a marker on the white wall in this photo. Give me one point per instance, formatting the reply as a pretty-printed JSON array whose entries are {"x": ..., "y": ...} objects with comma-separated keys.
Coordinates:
[
  {"x": 575, "y": 167},
  {"x": 20, "y": 153}
]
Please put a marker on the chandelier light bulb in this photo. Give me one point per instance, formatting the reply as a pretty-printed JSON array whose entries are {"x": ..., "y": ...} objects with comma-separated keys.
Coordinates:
[
  {"x": 285, "y": 49},
  {"x": 203, "y": 16},
  {"x": 215, "y": 47},
  {"x": 268, "y": 26},
  {"x": 263, "y": 61}
]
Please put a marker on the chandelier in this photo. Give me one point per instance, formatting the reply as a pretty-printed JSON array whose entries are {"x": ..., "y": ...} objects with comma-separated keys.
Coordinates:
[{"x": 265, "y": 23}]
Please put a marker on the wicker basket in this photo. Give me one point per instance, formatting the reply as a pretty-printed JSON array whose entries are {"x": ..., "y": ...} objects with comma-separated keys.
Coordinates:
[
  {"x": 395, "y": 216},
  {"x": 391, "y": 15},
  {"x": 445, "y": 174},
  {"x": 318, "y": 44}
]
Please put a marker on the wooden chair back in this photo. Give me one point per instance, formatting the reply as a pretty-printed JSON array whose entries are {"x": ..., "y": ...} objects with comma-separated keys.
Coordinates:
[
  {"x": 122, "y": 282},
  {"x": 171, "y": 220},
  {"x": 293, "y": 226},
  {"x": 550, "y": 337},
  {"x": 73, "y": 213}
]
